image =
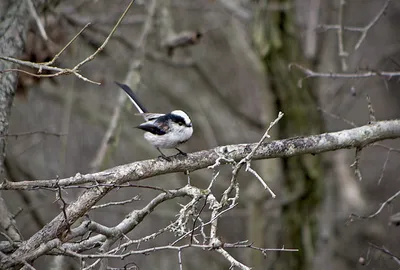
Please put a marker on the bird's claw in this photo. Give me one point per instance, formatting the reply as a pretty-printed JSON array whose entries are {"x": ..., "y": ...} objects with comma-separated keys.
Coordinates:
[
  {"x": 164, "y": 157},
  {"x": 180, "y": 153}
]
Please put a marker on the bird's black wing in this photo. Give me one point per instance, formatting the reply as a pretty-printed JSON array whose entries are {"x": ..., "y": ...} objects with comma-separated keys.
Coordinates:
[{"x": 153, "y": 128}]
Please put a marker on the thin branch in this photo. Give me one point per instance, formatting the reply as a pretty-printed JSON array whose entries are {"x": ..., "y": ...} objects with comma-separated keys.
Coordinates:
[
  {"x": 29, "y": 133},
  {"x": 202, "y": 225},
  {"x": 66, "y": 71},
  {"x": 372, "y": 23},
  {"x": 104, "y": 147},
  {"x": 196, "y": 218},
  {"x": 7, "y": 223},
  {"x": 388, "y": 201},
  {"x": 65, "y": 47},
  {"x": 386, "y": 251},
  {"x": 259, "y": 178},
  {"x": 136, "y": 198},
  {"x": 63, "y": 205},
  {"x": 363, "y": 30},
  {"x": 233, "y": 261},
  {"x": 372, "y": 118},
  {"x": 337, "y": 117},
  {"x": 335, "y": 75},
  {"x": 248, "y": 158},
  {"x": 92, "y": 56},
  {"x": 356, "y": 164},
  {"x": 47, "y": 66},
  {"x": 342, "y": 54},
  {"x": 218, "y": 248},
  {"x": 39, "y": 24},
  {"x": 384, "y": 166},
  {"x": 180, "y": 259}
]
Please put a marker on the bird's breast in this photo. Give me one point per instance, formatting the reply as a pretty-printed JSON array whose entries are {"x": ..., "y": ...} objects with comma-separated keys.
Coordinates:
[{"x": 169, "y": 140}]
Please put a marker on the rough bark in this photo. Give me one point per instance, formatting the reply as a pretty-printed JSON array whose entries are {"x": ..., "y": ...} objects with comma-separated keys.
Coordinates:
[
  {"x": 13, "y": 28},
  {"x": 278, "y": 44}
]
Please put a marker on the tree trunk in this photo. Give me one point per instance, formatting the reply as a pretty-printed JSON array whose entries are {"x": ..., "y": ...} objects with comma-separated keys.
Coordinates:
[
  {"x": 13, "y": 29},
  {"x": 277, "y": 43}
]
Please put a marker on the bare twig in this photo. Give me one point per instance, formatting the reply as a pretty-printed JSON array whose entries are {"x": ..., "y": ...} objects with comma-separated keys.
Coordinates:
[
  {"x": 334, "y": 75},
  {"x": 356, "y": 164},
  {"x": 386, "y": 251},
  {"x": 372, "y": 118},
  {"x": 133, "y": 73},
  {"x": 363, "y": 30},
  {"x": 384, "y": 166},
  {"x": 64, "y": 48},
  {"x": 147, "y": 251},
  {"x": 388, "y": 201},
  {"x": 66, "y": 71},
  {"x": 29, "y": 133},
  {"x": 196, "y": 218},
  {"x": 136, "y": 198},
  {"x": 47, "y": 66},
  {"x": 7, "y": 223},
  {"x": 63, "y": 205},
  {"x": 92, "y": 56},
  {"x": 342, "y": 54},
  {"x": 180, "y": 259},
  {"x": 337, "y": 117},
  {"x": 35, "y": 16},
  {"x": 233, "y": 261},
  {"x": 219, "y": 214},
  {"x": 372, "y": 23},
  {"x": 248, "y": 158}
]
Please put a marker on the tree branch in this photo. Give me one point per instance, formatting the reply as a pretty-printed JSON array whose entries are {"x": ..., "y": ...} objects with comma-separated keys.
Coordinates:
[{"x": 351, "y": 138}]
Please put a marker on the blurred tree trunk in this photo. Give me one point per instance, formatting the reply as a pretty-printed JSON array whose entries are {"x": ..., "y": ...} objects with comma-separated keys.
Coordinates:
[
  {"x": 276, "y": 40},
  {"x": 12, "y": 32},
  {"x": 14, "y": 22}
]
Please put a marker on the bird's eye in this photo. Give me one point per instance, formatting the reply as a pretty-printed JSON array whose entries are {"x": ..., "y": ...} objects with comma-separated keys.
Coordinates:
[{"x": 180, "y": 123}]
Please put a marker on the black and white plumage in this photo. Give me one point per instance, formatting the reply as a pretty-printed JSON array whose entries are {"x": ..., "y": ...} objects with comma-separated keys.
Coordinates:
[{"x": 162, "y": 130}]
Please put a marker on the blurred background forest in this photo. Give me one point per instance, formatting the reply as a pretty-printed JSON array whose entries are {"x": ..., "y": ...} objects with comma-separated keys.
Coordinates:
[{"x": 232, "y": 82}]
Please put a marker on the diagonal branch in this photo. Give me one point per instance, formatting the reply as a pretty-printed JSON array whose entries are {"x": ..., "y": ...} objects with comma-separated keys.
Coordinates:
[{"x": 63, "y": 71}]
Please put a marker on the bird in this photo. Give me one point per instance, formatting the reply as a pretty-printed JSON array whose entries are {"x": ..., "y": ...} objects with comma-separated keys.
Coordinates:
[{"x": 163, "y": 131}]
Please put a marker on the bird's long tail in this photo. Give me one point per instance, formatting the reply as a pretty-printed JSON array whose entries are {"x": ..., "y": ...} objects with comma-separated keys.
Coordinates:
[{"x": 132, "y": 97}]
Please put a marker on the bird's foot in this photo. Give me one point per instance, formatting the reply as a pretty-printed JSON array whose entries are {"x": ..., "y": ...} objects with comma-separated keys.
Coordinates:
[
  {"x": 180, "y": 153},
  {"x": 164, "y": 157}
]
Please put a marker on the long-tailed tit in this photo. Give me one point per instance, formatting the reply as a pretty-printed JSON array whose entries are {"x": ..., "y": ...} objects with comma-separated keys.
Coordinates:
[{"x": 162, "y": 130}]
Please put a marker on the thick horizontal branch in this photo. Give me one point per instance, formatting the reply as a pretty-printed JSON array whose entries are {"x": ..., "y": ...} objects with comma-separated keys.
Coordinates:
[{"x": 351, "y": 138}]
